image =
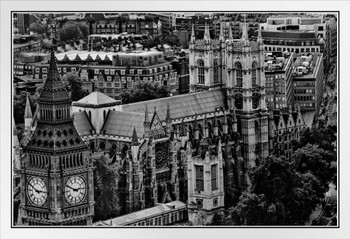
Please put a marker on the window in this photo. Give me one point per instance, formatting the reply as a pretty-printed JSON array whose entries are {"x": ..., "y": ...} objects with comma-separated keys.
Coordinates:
[
  {"x": 107, "y": 71},
  {"x": 216, "y": 71},
  {"x": 200, "y": 64},
  {"x": 112, "y": 72},
  {"x": 122, "y": 72},
  {"x": 139, "y": 72},
  {"x": 64, "y": 69},
  {"x": 37, "y": 70},
  {"x": 96, "y": 71},
  {"x": 199, "y": 178},
  {"x": 109, "y": 78},
  {"x": 254, "y": 82},
  {"x": 44, "y": 70},
  {"x": 214, "y": 184},
  {"x": 239, "y": 75},
  {"x": 44, "y": 77},
  {"x": 73, "y": 69}
]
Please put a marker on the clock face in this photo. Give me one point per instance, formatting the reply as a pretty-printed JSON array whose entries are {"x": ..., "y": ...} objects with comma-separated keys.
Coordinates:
[
  {"x": 37, "y": 191},
  {"x": 75, "y": 190}
]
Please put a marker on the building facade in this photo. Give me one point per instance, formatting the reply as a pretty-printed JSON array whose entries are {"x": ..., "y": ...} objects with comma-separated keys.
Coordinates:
[
  {"x": 237, "y": 66},
  {"x": 308, "y": 82},
  {"x": 279, "y": 79}
]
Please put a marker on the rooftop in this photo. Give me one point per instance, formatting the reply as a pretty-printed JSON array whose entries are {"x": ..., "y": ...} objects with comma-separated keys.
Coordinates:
[
  {"x": 122, "y": 123},
  {"x": 181, "y": 105},
  {"x": 141, "y": 215},
  {"x": 307, "y": 67},
  {"x": 277, "y": 61},
  {"x": 96, "y": 100}
]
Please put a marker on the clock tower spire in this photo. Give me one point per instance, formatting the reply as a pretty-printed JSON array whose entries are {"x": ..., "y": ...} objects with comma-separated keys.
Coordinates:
[{"x": 56, "y": 170}]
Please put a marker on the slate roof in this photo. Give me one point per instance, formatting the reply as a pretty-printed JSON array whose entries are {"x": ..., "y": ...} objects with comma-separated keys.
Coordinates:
[
  {"x": 96, "y": 99},
  {"x": 123, "y": 123},
  {"x": 82, "y": 123},
  {"x": 182, "y": 105},
  {"x": 143, "y": 214}
]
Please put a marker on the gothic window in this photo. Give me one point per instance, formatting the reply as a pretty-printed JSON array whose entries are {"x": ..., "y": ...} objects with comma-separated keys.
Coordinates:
[
  {"x": 199, "y": 178},
  {"x": 239, "y": 101},
  {"x": 216, "y": 71},
  {"x": 254, "y": 81},
  {"x": 200, "y": 64},
  {"x": 255, "y": 100},
  {"x": 239, "y": 74},
  {"x": 214, "y": 184}
]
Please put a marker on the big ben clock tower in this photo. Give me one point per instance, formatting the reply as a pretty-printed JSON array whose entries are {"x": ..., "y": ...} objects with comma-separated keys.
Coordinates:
[{"x": 56, "y": 169}]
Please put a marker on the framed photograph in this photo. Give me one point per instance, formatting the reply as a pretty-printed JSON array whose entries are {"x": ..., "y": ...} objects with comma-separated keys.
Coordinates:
[{"x": 169, "y": 119}]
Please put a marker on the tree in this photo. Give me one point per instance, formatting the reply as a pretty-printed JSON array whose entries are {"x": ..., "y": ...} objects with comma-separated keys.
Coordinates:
[
  {"x": 279, "y": 195},
  {"x": 46, "y": 44},
  {"x": 74, "y": 85},
  {"x": 38, "y": 28},
  {"x": 320, "y": 162},
  {"x": 321, "y": 135},
  {"x": 73, "y": 31},
  {"x": 142, "y": 91},
  {"x": 105, "y": 190}
]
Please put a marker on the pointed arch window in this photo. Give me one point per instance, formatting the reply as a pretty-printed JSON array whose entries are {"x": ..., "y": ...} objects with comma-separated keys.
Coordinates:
[
  {"x": 216, "y": 71},
  {"x": 254, "y": 79},
  {"x": 239, "y": 74},
  {"x": 200, "y": 64}
]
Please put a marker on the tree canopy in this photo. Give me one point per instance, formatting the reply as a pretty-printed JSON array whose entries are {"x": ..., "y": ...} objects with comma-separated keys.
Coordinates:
[
  {"x": 73, "y": 31},
  {"x": 142, "y": 91},
  {"x": 320, "y": 162},
  {"x": 279, "y": 195},
  {"x": 74, "y": 85},
  {"x": 105, "y": 191},
  {"x": 38, "y": 28}
]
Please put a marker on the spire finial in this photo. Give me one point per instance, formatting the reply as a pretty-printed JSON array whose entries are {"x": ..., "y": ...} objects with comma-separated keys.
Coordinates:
[
  {"x": 167, "y": 112},
  {"x": 134, "y": 141},
  {"x": 230, "y": 35},
  {"x": 193, "y": 37},
  {"x": 146, "y": 114},
  {"x": 221, "y": 32},
  {"x": 206, "y": 32},
  {"x": 27, "y": 110},
  {"x": 259, "y": 40},
  {"x": 244, "y": 29}
]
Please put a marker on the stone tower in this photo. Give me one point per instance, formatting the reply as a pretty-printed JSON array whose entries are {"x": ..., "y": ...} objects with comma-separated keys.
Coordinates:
[
  {"x": 207, "y": 62},
  {"x": 246, "y": 94},
  {"x": 205, "y": 182},
  {"x": 56, "y": 171}
]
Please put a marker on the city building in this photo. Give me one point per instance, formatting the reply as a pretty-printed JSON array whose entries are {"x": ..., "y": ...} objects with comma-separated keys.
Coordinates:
[
  {"x": 296, "y": 41},
  {"x": 285, "y": 126},
  {"x": 308, "y": 82},
  {"x": 237, "y": 66},
  {"x": 56, "y": 169},
  {"x": 278, "y": 68},
  {"x": 30, "y": 46},
  {"x": 112, "y": 73},
  {"x": 305, "y": 22}
]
